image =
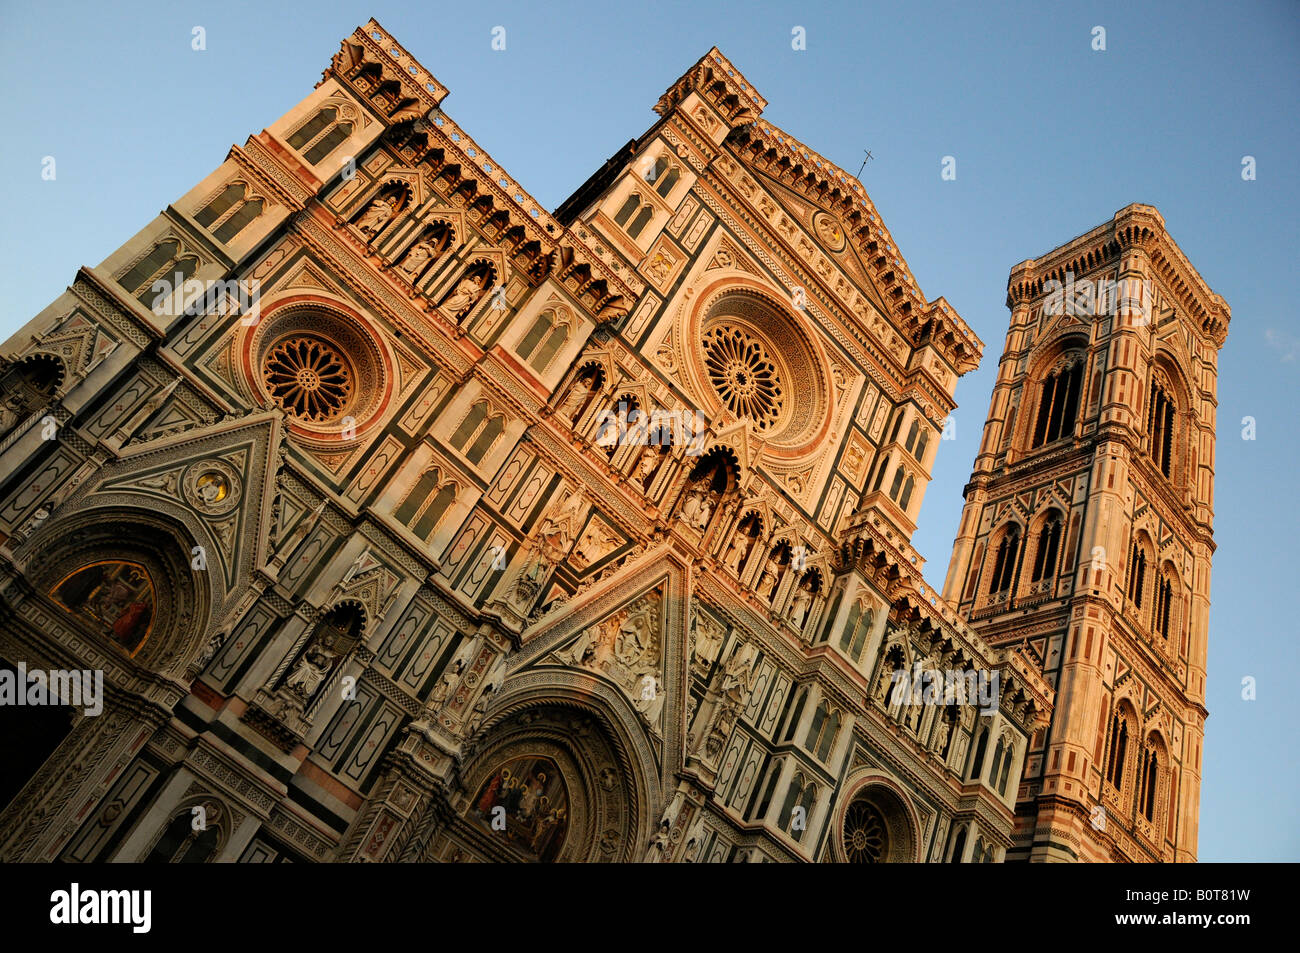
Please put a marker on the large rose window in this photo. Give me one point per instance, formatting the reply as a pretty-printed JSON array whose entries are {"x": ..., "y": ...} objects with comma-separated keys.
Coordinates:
[{"x": 308, "y": 377}]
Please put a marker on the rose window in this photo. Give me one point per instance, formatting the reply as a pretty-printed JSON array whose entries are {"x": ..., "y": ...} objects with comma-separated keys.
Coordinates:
[
  {"x": 743, "y": 374},
  {"x": 308, "y": 377},
  {"x": 866, "y": 838}
]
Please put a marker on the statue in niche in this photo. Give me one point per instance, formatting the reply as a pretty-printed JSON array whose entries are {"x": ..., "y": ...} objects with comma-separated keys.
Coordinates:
[
  {"x": 704, "y": 512},
  {"x": 799, "y": 605},
  {"x": 375, "y": 217},
  {"x": 467, "y": 293},
  {"x": 771, "y": 573},
  {"x": 647, "y": 465},
  {"x": 442, "y": 691},
  {"x": 420, "y": 255},
  {"x": 649, "y": 700},
  {"x": 307, "y": 675},
  {"x": 576, "y": 399},
  {"x": 708, "y": 640},
  {"x": 735, "y": 552},
  {"x": 694, "y": 503}
]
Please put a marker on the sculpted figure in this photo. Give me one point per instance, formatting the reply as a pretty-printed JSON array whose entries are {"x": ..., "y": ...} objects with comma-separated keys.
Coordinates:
[{"x": 376, "y": 217}]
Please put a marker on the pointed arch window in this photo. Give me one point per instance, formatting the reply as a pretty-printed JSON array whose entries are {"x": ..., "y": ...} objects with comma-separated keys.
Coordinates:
[
  {"x": 543, "y": 341},
  {"x": 230, "y": 196},
  {"x": 425, "y": 505},
  {"x": 667, "y": 181},
  {"x": 1004, "y": 566},
  {"x": 1058, "y": 403},
  {"x": 1149, "y": 782},
  {"x": 625, "y": 211},
  {"x": 640, "y": 222},
  {"x": 1118, "y": 752},
  {"x": 977, "y": 765},
  {"x": 880, "y": 476},
  {"x": 1164, "y": 605},
  {"x": 798, "y": 713},
  {"x": 477, "y": 432},
  {"x": 1049, "y": 543},
  {"x": 1137, "y": 570},
  {"x": 320, "y": 135},
  {"x": 1160, "y": 427}
]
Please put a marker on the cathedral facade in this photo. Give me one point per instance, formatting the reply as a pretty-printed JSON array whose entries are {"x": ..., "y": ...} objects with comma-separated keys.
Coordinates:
[{"x": 397, "y": 518}]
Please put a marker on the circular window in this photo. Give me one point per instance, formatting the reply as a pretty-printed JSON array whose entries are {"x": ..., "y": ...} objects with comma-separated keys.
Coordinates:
[
  {"x": 866, "y": 836},
  {"x": 757, "y": 359},
  {"x": 308, "y": 377},
  {"x": 743, "y": 374},
  {"x": 322, "y": 366}
]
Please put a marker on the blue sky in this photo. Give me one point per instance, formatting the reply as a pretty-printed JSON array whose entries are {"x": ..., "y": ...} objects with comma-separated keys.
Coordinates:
[{"x": 1050, "y": 137}]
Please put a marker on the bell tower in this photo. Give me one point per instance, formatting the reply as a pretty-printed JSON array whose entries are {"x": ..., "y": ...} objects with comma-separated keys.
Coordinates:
[{"x": 1087, "y": 535}]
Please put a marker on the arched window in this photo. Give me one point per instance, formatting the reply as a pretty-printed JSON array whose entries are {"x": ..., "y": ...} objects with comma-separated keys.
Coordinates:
[
  {"x": 999, "y": 751},
  {"x": 1160, "y": 427},
  {"x": 792, "y": 794},
  {"x": 426, "y": 503},
  {"x": 628, "y": 207},
  {"x": 1058, "y": 403},
  {"x": 798, "y": 713},
  {"x": 1164, "y": 605},
  {"x": 1049, "y": 542},
  {"x": 480, "y": 429},
  {"x": 667, "y": 181},
  {"x": 541, "y": 325},
  {"x": 1118, "y": 751},
  {"x": 550, "y": 347},
  {"x": 958, "y": 847},
  {"x": 640, "y": 222},
  {"x": 320, "y": 135},
  {"x": 236, "y": 222},
  {"x": 860, "y": 636},
  {"x": 911, "y": 435},
  {"x": 906, "y": 496},
  {"x": 1137, "y": 570},
  {"x": 880, "y": 475},
  {"x": 829, "y": 732},
  {"x": 313, "y": 127},
  {"x": 161, "y": 264},
  {"x": 230, "y": 196},
  {"x": 897, "y": 485},
  {"x": 1004, "y": 566},
  {"x": 850, "y": 627},
  {"x": 977, "y": 765},
  {"x": 1008, "y": 756},
  {"x": 921, "y": 443},
  {"x": 182, "y": 844},
  {"x": 659, "y": 168},
  {"x": 815, "y": 729},
  {"x": 1148, "y": 783}
]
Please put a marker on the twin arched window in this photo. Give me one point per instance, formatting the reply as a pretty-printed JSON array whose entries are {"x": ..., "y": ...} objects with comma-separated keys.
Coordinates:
[
  {"x": 918, "y": 438},
  {"x": 1058, "y": 403},
  {"x": 1004, "y": 566},
  {"x": 478, "y": 432},
  {"x": 1160, "y": 427},
  {"x": 1003, "y": 755},
  {"x": 901, "y": 489},
  {"x": 320, "y": 135},
  {"x": 426, "y": 504},
  {"x": 663, "y": 175},
  {"x": 821, "y": 733},
  {"x": 543, "y": 340},
  {"x": 641, "y": 220},
  {"x": 1164, "y": 605},
  {"x": 1118, "y": 751},
  {"x": 802, "y": 793},
  {"x": 856, "y": 630},
  {"x": 1137, "y": 573},
  {"x": 1049, "y": 544},
  {"x": 164, "y": 262},
  {"x": 1149, "y": 782},
  {"x": 232, "y": 209}
]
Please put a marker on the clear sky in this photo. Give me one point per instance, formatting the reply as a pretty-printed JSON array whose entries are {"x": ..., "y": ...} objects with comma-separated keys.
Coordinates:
[{"x": 1050, "y": 138}]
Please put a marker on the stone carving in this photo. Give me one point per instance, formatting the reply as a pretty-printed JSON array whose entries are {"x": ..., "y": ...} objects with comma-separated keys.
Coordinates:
[{"x": 375, "y": 217}]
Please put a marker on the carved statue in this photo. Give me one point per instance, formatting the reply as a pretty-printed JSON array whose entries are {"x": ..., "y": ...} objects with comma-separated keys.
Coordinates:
[
  {"x": 735, "y": 552},
  {"x": 463, "y": 298},
  {"x": 310, "y": 671},
  {"x": 647, "y": 465},
  {"x": 771, "y": 572},
  {"x": 420, "y": 255},
  {"x": 691, "y": 508},
  {"x": 704, "y": 512},
  {"x": 798, "y": 610},
  {"x": 708, "y": 640},
  {"x": 374, "y": 219},
  {"x": 576, "y": 398}
]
